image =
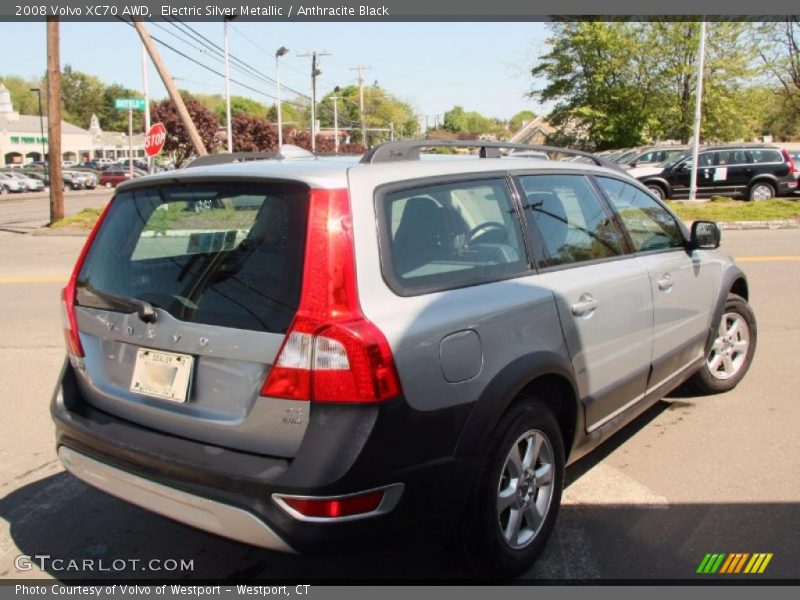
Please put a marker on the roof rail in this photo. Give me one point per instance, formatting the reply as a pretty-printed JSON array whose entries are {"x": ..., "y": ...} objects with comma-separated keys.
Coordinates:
[
  {"x": 287, "y": 151},
  {"x": 410, "y": 150}
]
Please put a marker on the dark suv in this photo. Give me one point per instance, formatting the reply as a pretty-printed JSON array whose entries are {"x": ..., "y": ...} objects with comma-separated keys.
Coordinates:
[
  {"x": 755, "y": 172},
  {"x": 335, "y": 349}
]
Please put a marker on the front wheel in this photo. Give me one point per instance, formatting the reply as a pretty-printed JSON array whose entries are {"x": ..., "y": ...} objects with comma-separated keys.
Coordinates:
[
  {"x": 732, "y": 351},
  {"x": 517, "y": 493}
]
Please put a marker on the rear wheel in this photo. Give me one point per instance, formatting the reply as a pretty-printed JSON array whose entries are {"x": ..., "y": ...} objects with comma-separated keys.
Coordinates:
[
  {"x": 761, "y": 190},
  {"x": 657, "y": 190},
  {"x": 732, "y": 352},
  {"x": 517, "y": 494}
]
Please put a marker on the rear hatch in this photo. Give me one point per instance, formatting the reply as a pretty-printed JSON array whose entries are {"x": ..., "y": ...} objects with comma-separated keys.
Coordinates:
[{"x": 182, "y": 303}]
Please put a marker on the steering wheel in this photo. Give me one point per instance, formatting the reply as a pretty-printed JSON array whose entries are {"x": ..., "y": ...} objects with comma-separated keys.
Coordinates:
[{"x": 485, "y": 228}]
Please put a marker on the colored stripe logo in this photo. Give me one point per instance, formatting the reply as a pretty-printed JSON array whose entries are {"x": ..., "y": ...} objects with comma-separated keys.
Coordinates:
[{"x": 736, "y": 563}]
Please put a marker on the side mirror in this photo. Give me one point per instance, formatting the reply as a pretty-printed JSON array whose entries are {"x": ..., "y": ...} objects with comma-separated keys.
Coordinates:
[{"x": 705, "y": 235}]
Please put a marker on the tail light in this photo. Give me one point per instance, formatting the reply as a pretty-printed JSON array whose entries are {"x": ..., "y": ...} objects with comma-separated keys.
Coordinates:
[
  {"x": 68, "y": 318},
  {"x": 332, "y": 508},
  {"x": 793, "y": 170},
  {"x": 332, "y": 352}
]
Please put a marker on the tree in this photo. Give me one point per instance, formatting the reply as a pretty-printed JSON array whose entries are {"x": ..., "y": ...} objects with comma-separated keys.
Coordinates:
[
  {"x": 518, "y": 120},
  {"x": 24, "y": 101},
  {"x": 294, "y": 114},
  {"x": 253, "y": 134},
  {"x": 381, "y": 110},
  {"x": 81, "y": 96},
  {"x": 112, "y": 119},
  {"x": 619, "y": 84},
  {"x": 240, "y": 106},
  {"x": 778, "y": 46},
  {"x": 178, "y": 141}
]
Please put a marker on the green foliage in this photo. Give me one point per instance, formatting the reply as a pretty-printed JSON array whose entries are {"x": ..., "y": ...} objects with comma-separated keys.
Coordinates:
[
  {"x": 768, "y": 210},
  {"x": 24, "y": 101},
  {"x": 519, "y": 119},
  {"x": 240, "y": 106},
  {"x": 81, "y": 96},
  {"x": 619, "y": 84},
  {"x": 291, "y": 114},
  {"x": 380, "y": 110}
]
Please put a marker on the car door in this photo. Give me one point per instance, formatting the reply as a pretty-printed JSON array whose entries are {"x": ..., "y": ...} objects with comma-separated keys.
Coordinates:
[
  {"x": 733, "y": 171},
  {"x": 681, "y": 176},
  {"x": 603, "y": 297},
  {"x": 681, "y": 283}
]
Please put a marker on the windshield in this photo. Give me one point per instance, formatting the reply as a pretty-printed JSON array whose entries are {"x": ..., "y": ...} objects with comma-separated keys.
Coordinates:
[{"x": 228, "y": 254}]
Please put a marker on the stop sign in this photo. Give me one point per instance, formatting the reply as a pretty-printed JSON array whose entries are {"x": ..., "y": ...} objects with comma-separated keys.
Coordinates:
[{"x": 154, "y": 140}]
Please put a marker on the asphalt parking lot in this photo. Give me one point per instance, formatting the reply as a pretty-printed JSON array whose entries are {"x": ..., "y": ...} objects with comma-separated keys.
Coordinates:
[{"x": 691, "y": 476}]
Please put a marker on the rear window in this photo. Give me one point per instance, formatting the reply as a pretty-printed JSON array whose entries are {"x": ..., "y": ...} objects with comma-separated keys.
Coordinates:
[
  {"x": 227, "y": 254},
  {"x": 767, "y": 156}
]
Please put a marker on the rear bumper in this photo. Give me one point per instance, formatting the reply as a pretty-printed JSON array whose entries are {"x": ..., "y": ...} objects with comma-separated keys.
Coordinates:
[
  {"x": 347, "y": 449},
  {"x": 787, "y": 188},
  {"x": 208, "y": 515}
]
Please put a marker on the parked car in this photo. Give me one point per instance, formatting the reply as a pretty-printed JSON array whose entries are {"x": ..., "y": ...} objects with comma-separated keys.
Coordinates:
[
  {"x": 650, "y": 155},
  {"x": 72, "y": 180},
  {"x": 755, "y": 172},
  {"x": 31, "y": 184},
  {"x": 113, "y": 177},
  {"x": 380, "y": 343},
  {"x": 11, "y": 184},
  {"x": 40, "y": 175}
]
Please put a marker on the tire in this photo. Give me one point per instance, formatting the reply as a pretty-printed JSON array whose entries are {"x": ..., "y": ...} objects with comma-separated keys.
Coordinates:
[
  {"x": 657, "y": 190},
  {"x": 725, "y": 366},
  {"x": 761, "y": 190},
  {"x": 487, "y": 538}
]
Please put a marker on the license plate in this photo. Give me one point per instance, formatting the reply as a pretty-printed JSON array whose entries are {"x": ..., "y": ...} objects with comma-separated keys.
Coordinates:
[{"x": 162, "y": 374}]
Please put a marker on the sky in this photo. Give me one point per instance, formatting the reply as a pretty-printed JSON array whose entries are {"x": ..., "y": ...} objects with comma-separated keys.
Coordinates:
[{"x": 481, "y": 66}]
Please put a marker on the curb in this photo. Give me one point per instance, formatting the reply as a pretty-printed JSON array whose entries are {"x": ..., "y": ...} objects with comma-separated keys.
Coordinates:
[
  {"x": 47, "y": 232},
  {"x": 749, "y": 225}
]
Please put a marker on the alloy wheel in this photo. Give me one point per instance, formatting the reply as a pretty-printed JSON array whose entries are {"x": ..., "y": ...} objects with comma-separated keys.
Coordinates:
[
  {"x": 729, "y": 352},
  {"x": 525, "y": 489}
]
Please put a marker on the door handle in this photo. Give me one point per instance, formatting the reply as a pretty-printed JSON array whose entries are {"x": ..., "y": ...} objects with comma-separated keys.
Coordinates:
[
  {"x": 665, "y": 283},
  {"x": 585, "y": 305}
]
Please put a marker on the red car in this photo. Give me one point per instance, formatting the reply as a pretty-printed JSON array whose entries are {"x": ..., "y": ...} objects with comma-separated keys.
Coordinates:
[{"x": 113, "y": 177}]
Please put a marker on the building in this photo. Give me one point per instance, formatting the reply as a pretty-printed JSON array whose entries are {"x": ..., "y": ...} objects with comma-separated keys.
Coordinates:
[{"x": 21, "y": 139}]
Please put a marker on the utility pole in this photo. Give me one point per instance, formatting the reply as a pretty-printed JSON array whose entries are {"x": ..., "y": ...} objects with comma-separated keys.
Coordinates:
[
  {"x": 146, "y": 103},
  {"x": 172, "y": 90},
  {"x": 335, "y": 99},
  {"x": 315, "y": 72},
  {"x": 361, "y": 70},
  {"x": 54, "y": 120},
  {"x": 698, "y": 110}
]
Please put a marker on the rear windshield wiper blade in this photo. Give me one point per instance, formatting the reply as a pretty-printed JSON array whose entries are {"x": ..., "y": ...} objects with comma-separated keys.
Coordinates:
[{"x": 143, "y": 308}]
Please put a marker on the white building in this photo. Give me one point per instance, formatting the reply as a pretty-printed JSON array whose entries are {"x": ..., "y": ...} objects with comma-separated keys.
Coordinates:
[{"x": 21, "y": 139}]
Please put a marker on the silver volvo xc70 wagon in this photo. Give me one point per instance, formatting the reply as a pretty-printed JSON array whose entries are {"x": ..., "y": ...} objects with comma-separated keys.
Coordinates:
[{"x": 299, "y": 352}]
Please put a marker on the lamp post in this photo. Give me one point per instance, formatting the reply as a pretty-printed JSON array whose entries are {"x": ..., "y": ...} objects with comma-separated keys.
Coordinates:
[
  {"x": 282, "y": 51},
  {"x": 41, "y": 128}
]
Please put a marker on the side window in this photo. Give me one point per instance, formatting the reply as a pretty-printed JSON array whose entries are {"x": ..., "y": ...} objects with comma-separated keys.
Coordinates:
[
  {"x": 450, "y": 235},
  {"x": 571, "y": 220},
  {"x": 732, "y": 157},
  {"x": 650, "y": 226}
]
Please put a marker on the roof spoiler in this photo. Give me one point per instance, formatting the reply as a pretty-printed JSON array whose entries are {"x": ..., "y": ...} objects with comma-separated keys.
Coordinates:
[{"x": 287, "y": 151}]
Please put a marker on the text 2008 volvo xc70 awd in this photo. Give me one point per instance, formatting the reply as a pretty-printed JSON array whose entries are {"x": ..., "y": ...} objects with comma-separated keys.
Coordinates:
[{"x": 297, "y": 352}]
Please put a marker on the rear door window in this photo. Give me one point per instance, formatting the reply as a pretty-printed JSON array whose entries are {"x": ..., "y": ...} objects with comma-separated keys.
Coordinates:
[
  {"x": 450, "y": 235},
  {"x": 766, "y": 156},
  {"x": 228, "y": 254}
]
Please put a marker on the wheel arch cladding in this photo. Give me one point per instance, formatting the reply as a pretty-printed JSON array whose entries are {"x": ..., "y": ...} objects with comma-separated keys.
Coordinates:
[
  {"x": 734, "y": 281},
  {"x": 545, "y": 375}
]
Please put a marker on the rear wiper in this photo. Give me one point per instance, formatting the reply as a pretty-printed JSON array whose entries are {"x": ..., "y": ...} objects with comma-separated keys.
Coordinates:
[{"x": 143, "y": 308}]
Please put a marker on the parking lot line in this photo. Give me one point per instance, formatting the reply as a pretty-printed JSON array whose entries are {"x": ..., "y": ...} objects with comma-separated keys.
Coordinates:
[
  {"x": 35, "y": 279},
  {"x": 751, "y": 259}
]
